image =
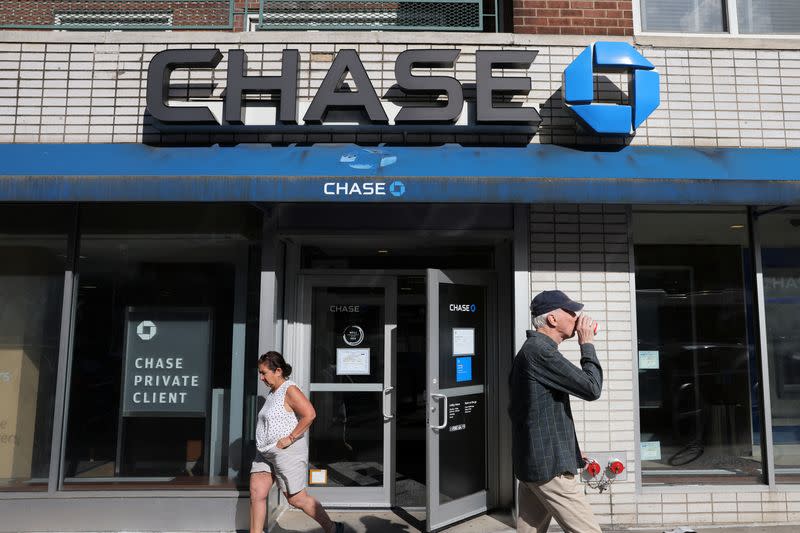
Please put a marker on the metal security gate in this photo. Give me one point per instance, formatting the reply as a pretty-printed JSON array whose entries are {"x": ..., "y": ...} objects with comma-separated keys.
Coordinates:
[{"x": 433, "y": 15}]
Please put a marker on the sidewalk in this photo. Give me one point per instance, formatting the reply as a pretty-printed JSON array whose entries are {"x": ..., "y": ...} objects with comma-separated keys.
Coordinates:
[{"x": 382, "y": 521}]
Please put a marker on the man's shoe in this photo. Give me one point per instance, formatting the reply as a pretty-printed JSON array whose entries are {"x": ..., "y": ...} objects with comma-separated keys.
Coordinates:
[{"x": 339, "y": 527}]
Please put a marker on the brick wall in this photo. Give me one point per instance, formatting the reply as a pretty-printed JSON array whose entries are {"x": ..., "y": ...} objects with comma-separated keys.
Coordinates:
[
  {"x": 557, "y": 17},
  {"x": 573, "y": 17},
  {"x": 184, "y": 13},
  {"x": 243, "y": 9}
]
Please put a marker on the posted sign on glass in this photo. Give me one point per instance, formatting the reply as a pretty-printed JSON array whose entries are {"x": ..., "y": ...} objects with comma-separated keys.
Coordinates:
[{"x": 167, "y": 354}]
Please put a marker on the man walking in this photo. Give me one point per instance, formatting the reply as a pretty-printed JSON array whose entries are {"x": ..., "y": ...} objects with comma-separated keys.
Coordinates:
[{"x": 545, "y": 450}]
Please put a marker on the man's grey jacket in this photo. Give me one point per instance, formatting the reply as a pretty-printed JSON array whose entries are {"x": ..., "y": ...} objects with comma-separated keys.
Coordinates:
[{"x": 543, "y": 440}]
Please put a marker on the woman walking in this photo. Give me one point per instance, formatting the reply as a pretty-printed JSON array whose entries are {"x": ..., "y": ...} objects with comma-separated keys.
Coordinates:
[{"x": 282, "y": 445}]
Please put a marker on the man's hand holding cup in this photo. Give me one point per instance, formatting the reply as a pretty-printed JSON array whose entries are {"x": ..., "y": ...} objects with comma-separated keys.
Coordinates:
[{"x": 586, "y": 329}]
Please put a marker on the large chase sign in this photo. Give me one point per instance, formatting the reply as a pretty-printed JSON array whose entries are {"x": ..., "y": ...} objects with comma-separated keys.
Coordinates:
[
  {"x": 422, "y": 103},
  {"x": 167, "y": 358},
  {"x": 419, "y": 104}
]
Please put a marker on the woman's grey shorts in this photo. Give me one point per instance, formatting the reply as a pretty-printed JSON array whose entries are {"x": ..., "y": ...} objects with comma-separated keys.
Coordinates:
[{"x": 289, "y": 466}]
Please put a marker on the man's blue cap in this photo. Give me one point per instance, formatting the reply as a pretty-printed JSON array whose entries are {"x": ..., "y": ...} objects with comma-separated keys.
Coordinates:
[{"x": 546, "y": 301}]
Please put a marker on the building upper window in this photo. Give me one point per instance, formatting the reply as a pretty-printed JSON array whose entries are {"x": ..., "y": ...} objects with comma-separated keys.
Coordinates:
[
  {"x": 696, "y": 16},
  {"x": 759, "y": 17},
  {"x": 113, "y": 21},
  {"x": 768, "y": 16}
]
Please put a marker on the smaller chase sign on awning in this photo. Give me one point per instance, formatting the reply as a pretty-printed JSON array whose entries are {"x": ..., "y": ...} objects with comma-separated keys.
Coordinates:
[{"x": 349, "y": 173}]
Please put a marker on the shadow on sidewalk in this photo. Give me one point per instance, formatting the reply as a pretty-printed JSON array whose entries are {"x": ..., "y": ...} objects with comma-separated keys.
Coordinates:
[{"x": 374, "y": 524}]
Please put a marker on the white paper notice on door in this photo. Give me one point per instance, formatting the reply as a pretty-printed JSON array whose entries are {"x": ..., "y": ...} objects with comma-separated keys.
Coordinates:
[
  {"x": 648, "y": 359},
  {"x": 650, "y": 451},
  {"x": 317, "y": 477},
  {"x": 352, "y": 361},
  {"x": 463, "y": 341}
]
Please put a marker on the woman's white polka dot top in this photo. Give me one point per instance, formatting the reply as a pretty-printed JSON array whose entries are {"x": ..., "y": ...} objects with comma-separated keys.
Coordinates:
[{"x": 274, "y": 421}]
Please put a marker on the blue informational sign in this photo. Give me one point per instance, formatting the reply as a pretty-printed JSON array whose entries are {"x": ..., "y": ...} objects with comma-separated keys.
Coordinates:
[{"x": 464, "y": 369}]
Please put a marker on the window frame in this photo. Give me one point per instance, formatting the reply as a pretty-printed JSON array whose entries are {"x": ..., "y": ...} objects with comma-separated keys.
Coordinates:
[
  {"x": 731, "y": 17},
  {"x": 701, "y": 482}
]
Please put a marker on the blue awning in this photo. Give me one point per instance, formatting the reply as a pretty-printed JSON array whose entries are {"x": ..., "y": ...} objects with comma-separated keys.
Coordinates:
[{"x": 449, "y": 173}]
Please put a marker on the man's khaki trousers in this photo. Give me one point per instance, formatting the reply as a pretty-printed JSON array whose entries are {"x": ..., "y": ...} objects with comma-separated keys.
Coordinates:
[{"x": 561, "y": 498}]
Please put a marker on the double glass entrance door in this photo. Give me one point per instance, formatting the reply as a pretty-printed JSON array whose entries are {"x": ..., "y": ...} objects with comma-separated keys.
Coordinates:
[{"x": 398, "y": 380}]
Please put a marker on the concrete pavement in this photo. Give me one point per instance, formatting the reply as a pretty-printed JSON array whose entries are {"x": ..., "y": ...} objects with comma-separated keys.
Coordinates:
[{"x": 400, "y": 521}]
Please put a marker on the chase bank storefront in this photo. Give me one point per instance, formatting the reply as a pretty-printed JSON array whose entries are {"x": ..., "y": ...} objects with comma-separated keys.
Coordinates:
[{"x": 382, "y": 212}]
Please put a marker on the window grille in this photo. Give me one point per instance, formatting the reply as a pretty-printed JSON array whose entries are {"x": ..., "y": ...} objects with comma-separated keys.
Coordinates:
[{"x": 112, "y": 21}]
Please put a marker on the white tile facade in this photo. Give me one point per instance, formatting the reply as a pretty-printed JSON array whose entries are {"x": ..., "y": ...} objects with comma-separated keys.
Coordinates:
[
  {"x": 59, "y": 88},
  {"x": 584, "y": 251},
  {"x": 92, "y": 88}
]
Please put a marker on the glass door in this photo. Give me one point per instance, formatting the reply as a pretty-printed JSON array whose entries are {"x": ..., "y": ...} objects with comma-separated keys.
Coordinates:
[
  {"x": 460, "y": 342},
  {"x": 349, "y": 345}
]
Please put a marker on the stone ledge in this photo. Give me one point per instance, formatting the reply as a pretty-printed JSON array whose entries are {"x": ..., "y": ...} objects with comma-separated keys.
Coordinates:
[
  {"x": 718, "y": 41},
  {"x": 304, "y": 37}
]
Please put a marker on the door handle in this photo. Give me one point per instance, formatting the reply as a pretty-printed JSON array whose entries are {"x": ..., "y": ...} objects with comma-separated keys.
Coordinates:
[
  {"x": 435, "y": 397},
  {"x": 386, "y": 391}
]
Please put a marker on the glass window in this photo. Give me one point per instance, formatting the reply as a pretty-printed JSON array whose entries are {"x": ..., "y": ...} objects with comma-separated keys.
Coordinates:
[
  {"x": 410, "y": 475},
  {"x": 162, "y": 311},
  {"x": 768, "y": 16},
  {"x": 779, "y": 234},
  {"x": 33, "y": 247},
  {"x": 347, "y": 438},
  {"x": 347, "y": 318},
  {"x": 347, "y": 350},
  {"x": 695, "y": 16},
  {"x": 698, "y": 385},
  {"x": 407, "y": 256},
  {"x": 463, "y": 314}
]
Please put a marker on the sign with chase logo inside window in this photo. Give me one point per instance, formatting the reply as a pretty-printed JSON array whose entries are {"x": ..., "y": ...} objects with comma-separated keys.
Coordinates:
[{"x": 167, "y": 358}]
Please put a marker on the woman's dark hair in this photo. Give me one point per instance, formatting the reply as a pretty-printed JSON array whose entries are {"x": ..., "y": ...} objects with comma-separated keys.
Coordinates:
[{"x": 274, "y": 361}]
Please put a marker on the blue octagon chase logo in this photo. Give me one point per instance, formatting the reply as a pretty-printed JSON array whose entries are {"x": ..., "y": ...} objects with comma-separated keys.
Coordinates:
[
  {"x": 397, "y": 188},
  {"x": 611, "y": 118}
]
